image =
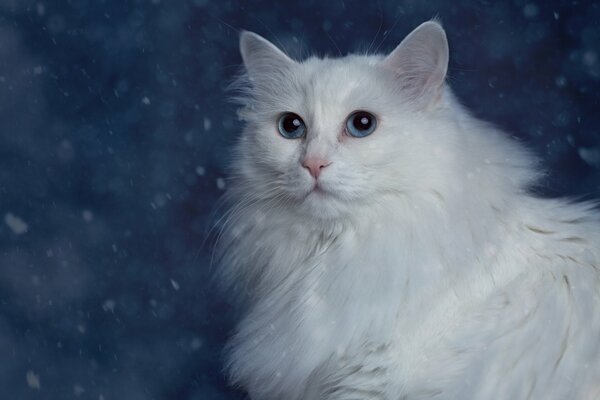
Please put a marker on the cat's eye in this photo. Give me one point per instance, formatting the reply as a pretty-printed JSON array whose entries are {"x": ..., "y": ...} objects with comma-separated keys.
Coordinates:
[
  {"x": 360, "y": 124},
  {"x": 291, "y": 126}
]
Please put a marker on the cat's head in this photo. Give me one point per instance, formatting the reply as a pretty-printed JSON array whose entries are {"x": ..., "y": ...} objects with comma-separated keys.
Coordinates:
[{"x": 325, "y": 137}]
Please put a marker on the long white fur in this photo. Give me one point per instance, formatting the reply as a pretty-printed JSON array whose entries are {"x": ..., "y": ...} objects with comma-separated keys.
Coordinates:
[{"x": 427, "y": 269}]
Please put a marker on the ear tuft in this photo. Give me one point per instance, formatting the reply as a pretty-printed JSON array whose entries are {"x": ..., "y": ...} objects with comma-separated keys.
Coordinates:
[
  {"x": 421, "y": 60},
  {"x": 260, "y": 56}
]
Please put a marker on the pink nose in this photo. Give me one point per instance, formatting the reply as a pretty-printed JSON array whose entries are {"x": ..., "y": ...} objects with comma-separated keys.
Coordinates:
[{"x": 315, "y": 165}]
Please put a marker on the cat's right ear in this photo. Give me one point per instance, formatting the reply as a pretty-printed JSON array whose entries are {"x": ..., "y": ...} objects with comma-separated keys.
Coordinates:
[
  {"x": 261, "y": 57},
  {"x": 420, "y": 62}
]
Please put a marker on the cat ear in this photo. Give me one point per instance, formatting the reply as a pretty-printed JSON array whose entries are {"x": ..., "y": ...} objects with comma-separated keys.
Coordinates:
[
  {"x": 421, "y": 61},
  {"x": 260, "y": 56}
]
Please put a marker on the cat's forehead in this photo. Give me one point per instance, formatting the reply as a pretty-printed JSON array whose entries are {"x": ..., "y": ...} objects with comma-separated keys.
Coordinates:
[
  {"x": 331, "y": 82},
  {"x": 324, "y": 89},
  {"x": 349, "y": 71}
]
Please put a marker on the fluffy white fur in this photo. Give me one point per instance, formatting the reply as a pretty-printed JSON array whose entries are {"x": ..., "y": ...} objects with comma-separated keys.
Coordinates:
[{"x": 425, "y": 268}]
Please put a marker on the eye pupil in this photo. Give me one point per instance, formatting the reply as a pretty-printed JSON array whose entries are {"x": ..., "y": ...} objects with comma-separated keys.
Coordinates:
[
  {"x": 291, "y": 123},
  {"x": 361, "y": 124},
  {"x": 291, "y": 126}
]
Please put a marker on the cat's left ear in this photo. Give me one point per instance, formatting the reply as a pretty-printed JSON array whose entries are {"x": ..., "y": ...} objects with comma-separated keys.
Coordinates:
[
  {"x": 421, "y": 62},
  {"x": 261, "y": 57}
]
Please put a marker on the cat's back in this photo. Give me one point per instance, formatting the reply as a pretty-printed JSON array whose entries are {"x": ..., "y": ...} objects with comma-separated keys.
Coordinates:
[
  {"x": 546, "y": 343},
  {"x": 523, "y": 323}
]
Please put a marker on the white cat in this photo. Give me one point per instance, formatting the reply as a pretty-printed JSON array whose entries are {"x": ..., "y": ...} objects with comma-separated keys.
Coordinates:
[{"x": 385, "y": 243}]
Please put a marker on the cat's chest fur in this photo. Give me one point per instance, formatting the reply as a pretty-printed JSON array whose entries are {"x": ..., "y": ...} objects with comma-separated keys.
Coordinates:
[
  {"x": 335, "y": 293},
  {"x": 383, "y": 304},
  {"x": 340, "y": 292}
]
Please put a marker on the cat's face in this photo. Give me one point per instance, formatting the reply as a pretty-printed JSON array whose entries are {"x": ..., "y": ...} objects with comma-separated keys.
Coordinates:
[{"x": 325, "y": 135}]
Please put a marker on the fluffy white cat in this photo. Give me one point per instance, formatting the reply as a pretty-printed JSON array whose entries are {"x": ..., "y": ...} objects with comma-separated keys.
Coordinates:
[{"x": 385, "y": 244}]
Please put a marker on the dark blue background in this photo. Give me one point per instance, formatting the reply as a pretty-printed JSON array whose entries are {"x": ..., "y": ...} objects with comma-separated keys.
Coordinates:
[{"x": 115, "y": 133}]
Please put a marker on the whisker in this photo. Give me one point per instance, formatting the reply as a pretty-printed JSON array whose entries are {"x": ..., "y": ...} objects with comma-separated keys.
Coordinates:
[
  {"x": 388, "y": 32},
  {"x": 334, "y": 43},
  {"x": 236, "y": 30},
  {"x": 378, "y": 29},
  {"x": 279, "y": 42}
]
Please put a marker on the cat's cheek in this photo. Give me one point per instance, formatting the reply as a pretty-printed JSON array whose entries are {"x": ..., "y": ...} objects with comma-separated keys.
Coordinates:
[{"x": 277, "y": 149}]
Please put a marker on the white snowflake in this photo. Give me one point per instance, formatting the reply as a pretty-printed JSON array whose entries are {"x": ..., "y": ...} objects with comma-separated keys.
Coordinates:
[
  {"x": 16, "y": 224},
  {"x": 33, "y": 380},
  {"x": 87, "y": 215},
  {"x": 590, "y": 155},
  {"x": 109, "y": 305},
  {"x": 78, "y": 390},
  {"x": 196, "y": 343}
]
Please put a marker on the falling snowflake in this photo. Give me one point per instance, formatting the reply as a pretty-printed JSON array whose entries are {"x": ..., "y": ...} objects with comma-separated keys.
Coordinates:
[
  {"x": 78, "y": 390},
  {"x": 109, "y": 305},
  {"x": 87, "y": 215},
  {"x": 33, "y": 380},
  {"x": 16, "y": 224},
  {"x": 590, "y": 155}
]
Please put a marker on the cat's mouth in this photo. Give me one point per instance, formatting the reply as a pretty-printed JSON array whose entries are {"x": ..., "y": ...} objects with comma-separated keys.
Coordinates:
[
  {"x": 319, "y": 195},
  {"x": 317, "y": 190}
]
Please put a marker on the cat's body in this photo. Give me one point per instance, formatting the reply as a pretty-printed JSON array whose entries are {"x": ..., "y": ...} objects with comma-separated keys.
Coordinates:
[{"x": 422, "y": 268}]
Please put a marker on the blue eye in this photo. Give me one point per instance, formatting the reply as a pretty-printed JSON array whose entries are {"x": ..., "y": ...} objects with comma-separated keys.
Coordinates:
[
  {"x": 360, "y": 124},
  {"x": 291, "y": 126}
]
